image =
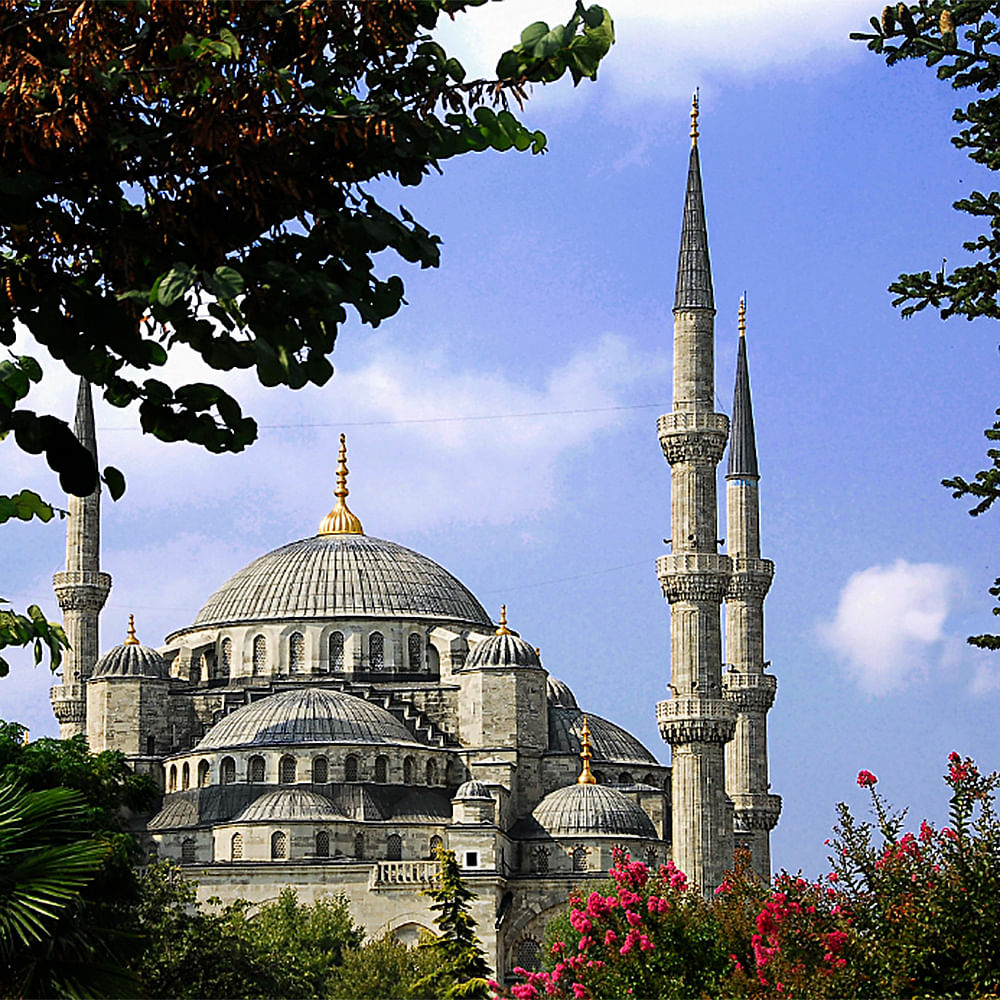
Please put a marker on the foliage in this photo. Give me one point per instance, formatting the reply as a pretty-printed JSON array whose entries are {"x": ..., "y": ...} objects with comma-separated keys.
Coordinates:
[
  {"x": 961, "y": 39},
  {"x": 383, "y": 967},
  {"x": 460, "y": 967},
  {"x": 30, "y": 629}
]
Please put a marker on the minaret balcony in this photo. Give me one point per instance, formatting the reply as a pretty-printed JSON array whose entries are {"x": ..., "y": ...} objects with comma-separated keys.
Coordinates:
[
  {"x": 755, "y": 811},
  {"x": 693, "y": 436},
  {"x": 69, "y": 703},
  {"x": 694, "y": 577},
  {"x": 751, "y": 579},
  {"x": 81, "y": 590},
  {"x": 749, "y": 692},
  {"x": 695, "y": 720}
]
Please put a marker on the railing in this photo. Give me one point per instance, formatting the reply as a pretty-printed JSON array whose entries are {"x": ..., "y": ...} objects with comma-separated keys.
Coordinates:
[{"x": 403, "y": 873}]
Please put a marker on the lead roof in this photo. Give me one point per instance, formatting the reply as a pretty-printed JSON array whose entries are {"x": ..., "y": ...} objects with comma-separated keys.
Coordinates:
[{"x": 694, "y": 272}]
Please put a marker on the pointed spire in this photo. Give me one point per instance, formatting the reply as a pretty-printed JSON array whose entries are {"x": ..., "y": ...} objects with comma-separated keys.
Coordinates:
[
  {"x": 340, "y": 520},
  {"x": 586, "y": 775},
  {"x": 694, "y": 272},
  {"x": 502, "y": 628},
  {"x": 742, "y": 443},
  {"x": 83, "y": 425},
  {"x": 130, "y": 639}
]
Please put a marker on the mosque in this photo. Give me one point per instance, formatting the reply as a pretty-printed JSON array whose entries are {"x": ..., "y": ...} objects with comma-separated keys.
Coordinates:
[{"x": 343, "y": 705}]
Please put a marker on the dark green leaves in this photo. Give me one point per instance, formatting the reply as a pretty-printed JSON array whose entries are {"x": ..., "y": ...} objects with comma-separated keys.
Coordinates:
[
  {"x": 24, "y": 506},
  {"x": 31, "y": 629}
]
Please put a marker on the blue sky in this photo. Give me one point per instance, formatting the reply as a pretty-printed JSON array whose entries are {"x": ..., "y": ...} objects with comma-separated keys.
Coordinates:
[{"x": 825, "y": 174}]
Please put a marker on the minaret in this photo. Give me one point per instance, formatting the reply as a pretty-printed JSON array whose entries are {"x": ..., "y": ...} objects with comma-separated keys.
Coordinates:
[
  {"x": 747, "y": 686},
  {"x": 697, "y": 722},
  {"x": 82, "y": 589}
]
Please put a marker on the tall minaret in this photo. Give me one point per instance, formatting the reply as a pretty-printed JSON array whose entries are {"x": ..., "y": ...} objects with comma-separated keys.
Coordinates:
[
  {"x": 82, "y": 589},
  {"x": 747, "y": 686},
  {"x": 697, "y": 722}
]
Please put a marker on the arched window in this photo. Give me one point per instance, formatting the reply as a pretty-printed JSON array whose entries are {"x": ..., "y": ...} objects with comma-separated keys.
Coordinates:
[
  {"x": 203, "y": 773},
  {"x": 255, "y": 770},
  {"x": 579, "y": 858},
  {"x": 414, "y": 652},
  {"x": 436, "y": 844},
  {"x": 150, "y": 746},
  {"x": 528, "y": 955},
  {"x": 394, "y": 848},
  {"x": 649, "y": 780},
  {"x": 259, "y": 654},
  {"x": 296, "y": 652},
  {"x": 359, "y": 846},
  {"x": 432, "y": 772},
  {"x": 286, "y": 770},
  {"x": 322, "y": 844},
  {"x": 376, "y": 651},
  {"x": 321, "y": 771},
  {"x": 624, "y": 778},
  {"x": 600, "y": 777},
  {"x": 351, "y": 768},
  {"x": 651, "y": 858},
  {"x": 279, "y": 845},
  {"x": 381, "y": 770},
  {"x": 236, "y": 847},
  {"x": 226, "y": 656},
  {"x": 172, "y": 781},
  {"x": 187, "y": 851},
  {"x": 185, "y": 776},
  {"x": 540, "y": 858},
  {"x": 408, "y": 771},
  {"x": 227, "y": 771},
  {"x": 337, "y": 651}
]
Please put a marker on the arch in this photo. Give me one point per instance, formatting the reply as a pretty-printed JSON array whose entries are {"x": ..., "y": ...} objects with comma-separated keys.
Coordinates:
[
  {"x": 259, "y": 654},
  {"x": 226, "y": 656},
  {"x": 408, "y": 770},
  {"x": 376, "y": 651},
  {"x": 651, "y": 858},
  {"x": 432, "y": 772},
  {"x": 359, "y": 846},
  {"x": 351, "y": 767},
  {"x": 236, "y": 847},
  {"x": 528, "y": 954},
  {"x": 600, "y": 777},
  {"x": 414, "y": 653},
  {"x": 649, "y": 779},
  {"x": 296, "y": 652},
  {"x": 336, "y": 651},
  {"x": 204, "y": 773},
  {"x": 227, "y": 771},
  {"x": 394, "y": 848},
  {"x": 279, "y": 845},
  {"x": 187, "y": 851},
  {"x": 321, "y": 770},
  {"x": 322, "y": 844},
  {"x": 540, "y": 860},
  {"x": 186, "y": 775},
  {"x": 436, "y": 844},
  {"x": 625, "y": 778},
  {"x": 172, "y": 780},
  {"x": 255, "y": 770},
  {"x": 286, "y": 770},
  {"x": 381, "y": 769},
  {"x": 579, "y": 857}
]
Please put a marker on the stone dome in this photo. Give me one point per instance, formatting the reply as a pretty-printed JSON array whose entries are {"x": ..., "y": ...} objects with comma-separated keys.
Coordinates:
[
  {"x": 331, "y": 576},
  {"x": 473, "y": 790},
  {"x": 306, "y": 715},
  {"x": 559, "y": 694},
  {"x": 131, "y": 659},
  {"x": 505, "y": 650},
  {"x": 583, "y": 810},
  {"x": 607, "y": 741},
  {"x": 290, "y": 805}
]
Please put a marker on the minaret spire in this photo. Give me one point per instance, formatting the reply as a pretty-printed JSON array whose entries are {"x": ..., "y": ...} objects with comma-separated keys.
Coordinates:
[
  {"x": 742, "y": 446},
  {"x": 694, "y": 272},
  {"x": 82, "y": 588}
]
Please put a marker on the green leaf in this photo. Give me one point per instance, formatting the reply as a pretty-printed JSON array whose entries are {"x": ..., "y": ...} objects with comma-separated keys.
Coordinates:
[
  {"x": 226, "y": 283},
  {"x": 174, "y": 284},
  {"x": 114, "y": 481},
  {"x": 531, "y": 35}
]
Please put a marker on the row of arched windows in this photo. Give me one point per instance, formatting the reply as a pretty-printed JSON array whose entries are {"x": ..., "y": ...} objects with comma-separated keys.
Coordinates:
[{"x": 279, "y": 846}]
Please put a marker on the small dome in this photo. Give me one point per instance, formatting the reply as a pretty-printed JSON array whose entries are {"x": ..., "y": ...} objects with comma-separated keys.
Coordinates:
[
  {"x": 579, "y": 810},
  {"x": 290, "y": 805},
  {"x": 306, "y": 715},
  {"x": 473, "y": 790},
  {"x": 130, "y": 660},
  {"x": 559, "y": 694},
  {"x": 507, "y": 650},
  {"x": 610, "y": 743}
]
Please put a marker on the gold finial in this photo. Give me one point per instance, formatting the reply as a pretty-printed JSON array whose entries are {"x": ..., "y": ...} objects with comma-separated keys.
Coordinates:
[
  {"x": 502, "y": 627},
  {"x": 694, "y": 118},
  {"x": 340, "y": 520},
  {"x": 130, "y": 639},
  {"x": 586, "y": 775},
  {"x": 743, "y": 315}
]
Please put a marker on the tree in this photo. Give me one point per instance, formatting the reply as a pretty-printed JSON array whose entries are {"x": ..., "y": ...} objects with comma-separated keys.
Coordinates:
[
  {"x": 961, "y": 38},
  {"x": 460, "y": 965},
  {"x": 199, "y": 174},
  {"x": 383, "y": 969}
]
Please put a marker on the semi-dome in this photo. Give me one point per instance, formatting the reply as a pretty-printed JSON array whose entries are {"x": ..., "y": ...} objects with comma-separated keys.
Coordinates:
[
  {"x": 290, "y": 805},
  {"x": 582, "y": 810},
  {"x": 130, "y": 659},
  {"x": 341, "y": 575},
  {"x": 608, "y": 741},
  {"x": 559, "y": 694},
  {"x": 306, "y": 715}
]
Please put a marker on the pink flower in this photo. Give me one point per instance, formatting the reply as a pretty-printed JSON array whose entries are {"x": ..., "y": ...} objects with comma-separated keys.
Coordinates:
[
  {"x": 866, "y": 779},
  {"x": 579, "y": 991},
  {"x": 633, "y": 918},
  {"x": 610, "y": 937},
  {"x": 523, "y": 991}
]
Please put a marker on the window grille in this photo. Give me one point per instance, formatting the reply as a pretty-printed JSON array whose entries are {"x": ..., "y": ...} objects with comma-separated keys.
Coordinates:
[
  {"x": 414, "y": 652},
  {"x": 337, "y": 651},
  {"x": 185, "y": 776},
  {"x": 528, "y": 955},
  {"x": 432, "y": 772},
  {"x": 187, "y": 851},
  {"x": 579, "y": 860},
  {"x": 286, "y": 771},
  {"x": 394, "y": 848},
  {"x": 279, "y": 845},
  {"x": 296, "y": 652},
  {"x": 651, "y": 858},
  {"x": 351, "y": 768},
  {"x": 259, "y": 654},
  {"x": 381, "y": 770},
  {"x": 227, "y": 771},
  {"x": 541, "y": 859},
  {"x": 236, "y": 847},
  {"x": 255, "y": 770},
  {"x": 322, "y": 844},
  {"x": 376, "y": 651},
  {"x": 226, "y": 655},
  {"x": 203, "y": 774},
  {"x": 359, "y": 846},
  {"x": 408, "y": 771},
  {"x": 321, "y": 771},
  {"x": 436, "y": 844}
]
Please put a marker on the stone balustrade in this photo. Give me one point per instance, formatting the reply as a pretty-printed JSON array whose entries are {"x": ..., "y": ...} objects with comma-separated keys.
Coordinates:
[{"x": 388, "y": 874}]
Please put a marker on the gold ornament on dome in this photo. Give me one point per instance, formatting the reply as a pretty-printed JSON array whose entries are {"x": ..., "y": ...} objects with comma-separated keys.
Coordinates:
[
  {"x": 502, "y": 627},
  {"x": 694, "y": 119},
  {"x": 130, "y": 639},
  {"x": 743, "y": 315},
  {"x": 340, "y": 520},
  {"x": 586, "y": 775}
]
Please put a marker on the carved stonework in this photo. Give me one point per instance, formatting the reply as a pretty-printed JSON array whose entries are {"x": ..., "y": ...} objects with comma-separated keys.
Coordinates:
[
  {"x": 751, "y": 579},
  {"x": 695, "y": 720},
  {"x": 695, "y": 577},
  {"x": 69, "y": 704},
  {"x": 704, "y": 447},
  {"x": 756, "y": 811},
  {"x": 750, "y": 692},
  {"x": 81, "y": 591}
]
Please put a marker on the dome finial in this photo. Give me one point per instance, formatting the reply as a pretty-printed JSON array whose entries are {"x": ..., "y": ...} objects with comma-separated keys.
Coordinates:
[
  {"x": 502, "y": 627},
  {"x": 743, "y": 315},
  {"x": 586, "y": 775},
  {"x": 694, "y": 117},
  {"x": 130, "y": 639},
  {"x": 340, "y": 520}
]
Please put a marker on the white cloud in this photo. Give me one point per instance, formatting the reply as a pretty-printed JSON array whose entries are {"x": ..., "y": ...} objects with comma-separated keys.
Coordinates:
[
  {"x": 889, "y": 623},
  {"x": 665, "y": 48}
]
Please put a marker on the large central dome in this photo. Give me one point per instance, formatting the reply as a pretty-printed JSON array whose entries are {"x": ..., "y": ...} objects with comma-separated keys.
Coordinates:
[{"x": 345, "y": 575}]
